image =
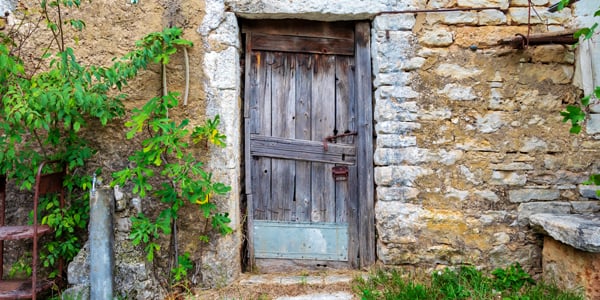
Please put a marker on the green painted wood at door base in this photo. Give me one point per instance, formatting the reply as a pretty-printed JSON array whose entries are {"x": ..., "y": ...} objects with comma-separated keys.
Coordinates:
[{"x": 299, "y": 240}]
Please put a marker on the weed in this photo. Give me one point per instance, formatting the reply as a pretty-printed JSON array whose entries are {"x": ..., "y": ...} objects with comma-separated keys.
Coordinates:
[{"x": 464, "y": 282}]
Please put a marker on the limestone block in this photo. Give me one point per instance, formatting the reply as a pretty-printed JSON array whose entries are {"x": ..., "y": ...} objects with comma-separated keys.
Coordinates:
[
  {"x": 399, "y": 175},
  {"x": 225, "y": 35},
  {"x": 222, "y": 68},
  {"x": 214, "y": 15},
  {"x": 433, "y": 52},
  {"x": 526, "y": 2},
  {"x": 440, "y": 3},
  {"x": 454, "y": 194},
  {"x": 390, "y": 49},
  {"x": 528, "y": 209},
  {"x": 473, "y": 144},
  {"x": 491, "y": 17},
  {"x": 402, "y": 194},
  {"x": 398, "y": 222},
  {"x": 582, "y": 207},
  {"x": 412, "y": 64},
  {"x": 396, "y": 92},
  {"x": 595, "y": 108},
  {"x": 531, "y": 74},
  {"x": 551, "y": 54},
  {"x": 571, "y": 268},
  {"x": 488, "y": 195},
  {"x": 442, "y": 113},
  {"x": 514, "y": 166},
  {"x": 527, "y": 195},
  {"x": 484, "y": 36},
  {"x": 520, "y": 15},
  {"x": 453, "y": 18},
  {"x": 491, "y": 122},
  {"x": 394, "y": 22},
  {"x": 458, "y": 92},
  {"x": 507, "y": 178},
  {"x": 395, "y": 127},
  {"x": 471, "y": 177},
  {"x": 577, "y": 230},
  {"x": 501, "y": 238},
  {"x": 593, "y": 124},
  {"x": 589, "y": 191},
  {"x": 503, "y": 4},
  {"x": 533, "y": 144},
  {"x": 437, "y": 38},
  {"x": 456, "y": 71},
  {"x": 393, "y": 78},
  {"x": 395, "y": 141},
  {"x": 389, "y": 110},
  {"x": 390, "y": 156}
]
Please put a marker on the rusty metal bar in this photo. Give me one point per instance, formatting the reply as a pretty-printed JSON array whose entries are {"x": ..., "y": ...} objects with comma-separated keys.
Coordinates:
[{"x": 414, "y": 11}]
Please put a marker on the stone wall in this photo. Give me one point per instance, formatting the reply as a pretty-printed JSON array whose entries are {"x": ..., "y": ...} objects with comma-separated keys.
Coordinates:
[{"x": 469, "y": 136}]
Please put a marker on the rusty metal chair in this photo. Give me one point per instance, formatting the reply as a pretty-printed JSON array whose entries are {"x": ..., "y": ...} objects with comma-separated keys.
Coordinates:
[{"x": 44, "y": 184}]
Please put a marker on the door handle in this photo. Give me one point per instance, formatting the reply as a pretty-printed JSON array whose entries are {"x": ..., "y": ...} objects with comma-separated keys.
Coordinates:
[{"x": 332, "y": 138}]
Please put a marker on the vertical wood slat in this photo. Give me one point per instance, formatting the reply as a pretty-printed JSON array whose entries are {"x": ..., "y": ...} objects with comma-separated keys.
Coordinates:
[
  {"x": 323, "y": 124},
  {"x": 262, "y": 197},
  {"x": 250, "y": 103},
  {"x": 303, "y": 132},
  {"x": 283, "y": 78},
  {"x": 366, "y": 228},
  {"x": 344, "y": 95}
]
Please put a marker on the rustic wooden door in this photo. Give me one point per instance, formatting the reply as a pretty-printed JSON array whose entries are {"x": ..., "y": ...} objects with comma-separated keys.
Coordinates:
[{"x": 308, "y": 143}]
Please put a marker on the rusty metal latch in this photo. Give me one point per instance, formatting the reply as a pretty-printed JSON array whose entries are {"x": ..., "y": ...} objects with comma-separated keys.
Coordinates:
[
  {"x": 332, "y": 138},
  {"x": 340, "y": 173}
]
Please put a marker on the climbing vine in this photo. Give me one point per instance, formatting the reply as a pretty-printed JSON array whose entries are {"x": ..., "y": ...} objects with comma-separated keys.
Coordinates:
[{"x": 48, "y": 106}]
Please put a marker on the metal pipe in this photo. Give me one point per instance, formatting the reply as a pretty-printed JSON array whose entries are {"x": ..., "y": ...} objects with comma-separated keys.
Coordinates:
[
  {"x": 101, "y": 244},
  {"x": 414, "y": 11}
]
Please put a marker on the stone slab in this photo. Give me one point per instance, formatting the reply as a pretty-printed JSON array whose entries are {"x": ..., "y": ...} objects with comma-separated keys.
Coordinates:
[{"x": 581, "y": 231}]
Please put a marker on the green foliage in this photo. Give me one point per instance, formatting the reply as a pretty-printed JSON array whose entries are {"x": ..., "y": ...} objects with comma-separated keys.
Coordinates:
[
  {"x": 465, "y": 282},
  {"x": 44, "y": 112},
  {"x": 512, "y": 277},
  {"x": 184, "y": 264}
]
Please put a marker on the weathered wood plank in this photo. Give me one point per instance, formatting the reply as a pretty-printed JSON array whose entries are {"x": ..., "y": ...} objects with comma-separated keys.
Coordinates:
[
  {"x": 366, "y": 230},
  {"x": 343, "y": 96},
  {"x": 300, "y": 44},
  {"x": 341, "y": 30},
  {"x": 303, "y": 111},
  {"x": 323, "y": 124},
  {"x": 250, "y": 103},
  {"x": 303, "y": 150},
  {"x": 283, "y": 110},
  {"x": 346, "y": 86},
  {"x": 262, "y": 197}
]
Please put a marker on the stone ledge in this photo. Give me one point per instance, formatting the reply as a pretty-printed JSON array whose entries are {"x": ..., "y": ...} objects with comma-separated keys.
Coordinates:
[{"x": 581, "y": 231}]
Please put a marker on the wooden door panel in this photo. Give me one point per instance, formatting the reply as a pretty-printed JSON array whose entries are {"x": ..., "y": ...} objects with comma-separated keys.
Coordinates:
[{"x": 301, "y": 92}]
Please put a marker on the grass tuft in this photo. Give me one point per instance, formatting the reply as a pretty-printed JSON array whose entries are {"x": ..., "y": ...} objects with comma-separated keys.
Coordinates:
[{"x": 464, "y": 282}]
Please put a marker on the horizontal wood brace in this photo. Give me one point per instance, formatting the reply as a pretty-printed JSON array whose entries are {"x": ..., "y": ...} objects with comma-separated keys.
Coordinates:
[
  {"x": 303, "y": 44},
  {"x": 304, "y": 150}
]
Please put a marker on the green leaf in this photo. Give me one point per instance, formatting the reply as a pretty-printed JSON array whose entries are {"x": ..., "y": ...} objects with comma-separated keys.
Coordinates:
[{"x": 585, "y": 100}]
